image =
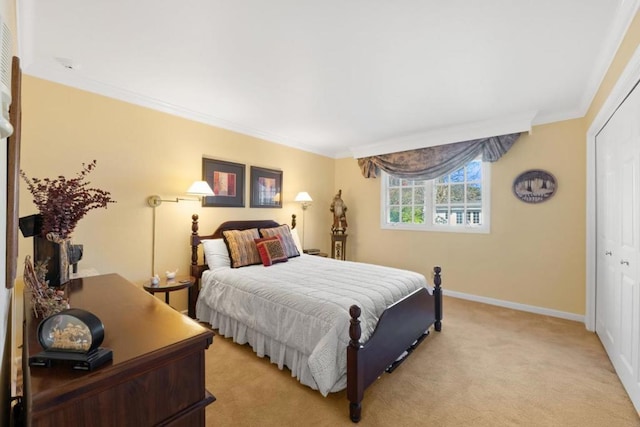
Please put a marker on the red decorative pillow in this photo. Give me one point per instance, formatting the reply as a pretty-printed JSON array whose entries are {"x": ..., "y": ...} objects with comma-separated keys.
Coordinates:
[{"x": 270, "y": 250}]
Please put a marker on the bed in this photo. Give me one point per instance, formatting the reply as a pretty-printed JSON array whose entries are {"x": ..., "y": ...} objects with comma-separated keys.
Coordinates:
[{"x": 330, "y": 337}]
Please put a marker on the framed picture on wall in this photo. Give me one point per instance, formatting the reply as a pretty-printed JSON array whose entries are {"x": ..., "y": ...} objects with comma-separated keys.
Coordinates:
[
  {"x": 13, "y": 169},
  {"x": 266, "y": 188},
  {"x": 227, "y": 181}
]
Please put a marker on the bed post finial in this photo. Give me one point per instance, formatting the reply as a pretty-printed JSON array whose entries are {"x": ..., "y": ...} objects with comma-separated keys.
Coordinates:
[
  {"x": 354, "y": 329},
  {"x": 194, "y": 241},
  {"x": 437, "y": 293},
  {"x": 293, "y": 221},
  {"x": 194, "y": 224}
]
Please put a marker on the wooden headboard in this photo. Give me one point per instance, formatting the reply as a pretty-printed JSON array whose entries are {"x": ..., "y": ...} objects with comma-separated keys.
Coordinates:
[{"x": 196, "y": 269}]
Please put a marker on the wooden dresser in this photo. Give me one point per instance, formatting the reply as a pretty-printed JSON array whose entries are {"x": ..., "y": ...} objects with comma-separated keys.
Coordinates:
[{"x": 156, "y": 376}]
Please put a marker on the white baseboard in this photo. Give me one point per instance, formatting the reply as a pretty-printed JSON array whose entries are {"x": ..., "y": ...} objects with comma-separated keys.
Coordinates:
[{"x": 515, "y": 305}]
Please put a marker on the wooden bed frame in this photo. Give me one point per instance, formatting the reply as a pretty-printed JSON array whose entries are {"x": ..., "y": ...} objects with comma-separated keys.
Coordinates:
[{"x": 400, "y": 329}]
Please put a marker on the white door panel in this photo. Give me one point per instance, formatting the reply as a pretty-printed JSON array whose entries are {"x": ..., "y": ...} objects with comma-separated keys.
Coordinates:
[
  {"x": 618, "y": 242},
  {"x": 607, "y": 323},
  {"x": 626, "y": 310}
]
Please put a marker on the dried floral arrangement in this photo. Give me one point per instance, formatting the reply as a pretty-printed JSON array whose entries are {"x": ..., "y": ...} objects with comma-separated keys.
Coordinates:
[
  {"x": 46, "y": 301},
  {"x": 63, "y": 202}
]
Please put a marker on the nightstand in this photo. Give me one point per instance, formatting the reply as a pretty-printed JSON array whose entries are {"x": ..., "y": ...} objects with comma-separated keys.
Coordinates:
[
  {"x": 315, "y": 252},
  {"x": 170, "y": 285}
]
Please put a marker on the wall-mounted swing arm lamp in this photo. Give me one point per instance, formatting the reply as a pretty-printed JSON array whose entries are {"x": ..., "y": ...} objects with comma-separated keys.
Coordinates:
[
  {"x": 198, "y": 189},
  {"x": 305, "y": 201}
]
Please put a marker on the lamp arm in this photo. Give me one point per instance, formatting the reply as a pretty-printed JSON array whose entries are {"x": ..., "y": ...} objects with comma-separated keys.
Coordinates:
[{"x": 155, "y": 200}]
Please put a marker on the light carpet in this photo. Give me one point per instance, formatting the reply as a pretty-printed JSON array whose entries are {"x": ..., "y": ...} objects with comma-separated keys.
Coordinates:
[{"x": 490, "y": 366}]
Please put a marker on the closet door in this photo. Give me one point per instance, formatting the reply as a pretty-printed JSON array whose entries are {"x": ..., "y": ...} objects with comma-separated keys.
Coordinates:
[
  {"x": 618, "y": 242},
  {"x": 607, "y": 322}
]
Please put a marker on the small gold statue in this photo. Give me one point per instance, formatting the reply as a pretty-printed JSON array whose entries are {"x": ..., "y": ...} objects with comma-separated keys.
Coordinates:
[{"x": 339, "y": 210}]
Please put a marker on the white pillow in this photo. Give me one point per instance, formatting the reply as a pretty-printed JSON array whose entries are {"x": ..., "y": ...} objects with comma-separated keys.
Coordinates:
[
  {"x": 296, "y": 240},
  {"x": 216, "y": 253}
]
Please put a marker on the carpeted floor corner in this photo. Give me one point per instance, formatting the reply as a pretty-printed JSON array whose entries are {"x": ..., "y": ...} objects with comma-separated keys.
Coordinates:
[{"x": 490, "y": 366}]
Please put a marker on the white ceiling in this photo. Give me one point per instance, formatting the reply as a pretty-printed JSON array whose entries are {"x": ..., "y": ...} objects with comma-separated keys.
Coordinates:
[{"x": 335, "y": 77}]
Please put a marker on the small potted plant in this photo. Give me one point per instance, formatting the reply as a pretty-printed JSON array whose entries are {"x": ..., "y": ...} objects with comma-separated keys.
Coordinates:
[{"x": 62, "y": 203}]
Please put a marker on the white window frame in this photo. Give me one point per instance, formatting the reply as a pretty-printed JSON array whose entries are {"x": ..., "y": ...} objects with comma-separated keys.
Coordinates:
[{"x": 428, "y": 225}]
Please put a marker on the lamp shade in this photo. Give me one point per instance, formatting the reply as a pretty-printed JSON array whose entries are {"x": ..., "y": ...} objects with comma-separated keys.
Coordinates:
[
  {"x": 304, "y": 197},
  {"x": 200, "y": 188}
]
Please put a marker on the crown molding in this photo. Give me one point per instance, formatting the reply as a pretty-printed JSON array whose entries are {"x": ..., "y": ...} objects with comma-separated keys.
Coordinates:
[
  {"x": 48, "y": 69},
  {"x": 624, "y": 17},
  {"x": 544, "y": 119},
  {"x": 448, "y": 135},
  {"x": 58, "y": 74}
]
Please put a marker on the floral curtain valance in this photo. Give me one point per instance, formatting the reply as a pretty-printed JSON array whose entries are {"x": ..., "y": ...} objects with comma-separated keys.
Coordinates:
[{"x": 432, "y": 162}]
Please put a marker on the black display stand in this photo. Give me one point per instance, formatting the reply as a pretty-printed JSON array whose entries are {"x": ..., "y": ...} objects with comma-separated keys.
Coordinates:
[{"x": 79, "y": 361}]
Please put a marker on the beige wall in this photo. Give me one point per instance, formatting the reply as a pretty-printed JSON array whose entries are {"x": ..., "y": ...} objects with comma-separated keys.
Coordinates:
[
  {"x": 141, "y": 152},
  {"x": 534, "y": 253}
]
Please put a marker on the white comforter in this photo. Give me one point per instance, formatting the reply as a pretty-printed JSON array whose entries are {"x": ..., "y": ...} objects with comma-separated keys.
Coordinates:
[{"x": 297, "y": 312}]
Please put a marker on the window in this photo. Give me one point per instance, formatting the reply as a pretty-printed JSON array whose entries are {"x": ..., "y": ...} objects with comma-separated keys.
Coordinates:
[{"x": 456, "y": 202}]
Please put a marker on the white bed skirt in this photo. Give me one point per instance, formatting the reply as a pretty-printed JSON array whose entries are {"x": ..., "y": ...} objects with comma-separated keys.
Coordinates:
[{"x": 279, "y": 353}]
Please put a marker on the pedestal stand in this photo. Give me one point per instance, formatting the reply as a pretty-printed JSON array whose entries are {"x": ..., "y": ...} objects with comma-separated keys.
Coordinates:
[{"x": 339, "y": 246}]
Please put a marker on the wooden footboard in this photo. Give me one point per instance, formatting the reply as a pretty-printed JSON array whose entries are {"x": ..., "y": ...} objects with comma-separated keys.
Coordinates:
[{"x": 401, "y": 328}]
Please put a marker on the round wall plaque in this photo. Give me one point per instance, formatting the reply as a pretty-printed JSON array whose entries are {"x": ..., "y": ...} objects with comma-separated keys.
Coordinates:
[{"x": 534, "y": 186}]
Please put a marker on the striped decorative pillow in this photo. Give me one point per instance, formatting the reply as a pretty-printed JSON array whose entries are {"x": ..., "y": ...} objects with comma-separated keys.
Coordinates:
[
  {"x": 270, "y": 250},
  {"x": 242, "y": 247},
  {"x": 284, "y": 233}
]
